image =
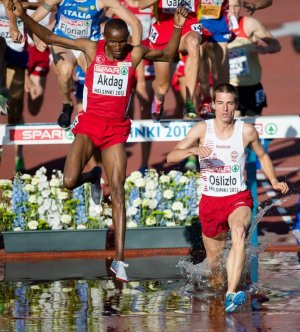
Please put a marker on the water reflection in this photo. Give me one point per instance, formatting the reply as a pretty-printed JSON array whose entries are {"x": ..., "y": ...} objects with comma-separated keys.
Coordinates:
[{"x": 100, "y": 303}]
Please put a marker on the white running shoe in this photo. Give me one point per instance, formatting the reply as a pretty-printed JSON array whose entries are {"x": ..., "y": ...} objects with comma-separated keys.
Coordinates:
[{"x": 118, "y": 267}]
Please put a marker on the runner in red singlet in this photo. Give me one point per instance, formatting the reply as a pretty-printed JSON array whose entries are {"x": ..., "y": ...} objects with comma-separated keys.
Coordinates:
[{"x": 103, "y": 124}]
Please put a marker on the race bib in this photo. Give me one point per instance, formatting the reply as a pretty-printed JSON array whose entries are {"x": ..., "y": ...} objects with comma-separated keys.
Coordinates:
[
  {"x": 4, "y": 32},
  {"x": 153, "y": 35},
  {"x": 197, "y": 27},
  {"x": 110, "y": 80},
  {"x": 75, "y": 28},
  {"x": 238, "y": 63},
  {"x": 170, "y": 6},
  {"x": 210, "y": 9}
]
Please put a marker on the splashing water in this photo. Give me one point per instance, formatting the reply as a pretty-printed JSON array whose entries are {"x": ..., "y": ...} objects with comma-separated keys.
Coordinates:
[
  {"x": 259, "y": 216},
  {"x": 199, "y": 276}
]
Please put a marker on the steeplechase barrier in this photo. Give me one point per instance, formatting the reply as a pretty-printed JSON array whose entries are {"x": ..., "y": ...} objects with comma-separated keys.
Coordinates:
[{"x": 268, "y": 127}]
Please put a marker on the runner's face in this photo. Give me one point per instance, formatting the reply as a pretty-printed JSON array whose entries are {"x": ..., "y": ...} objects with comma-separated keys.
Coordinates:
[
  {"x": 225, "y": 106},
  {"x": 116, "y": 41},
  {"x": 234, "y": 8}
]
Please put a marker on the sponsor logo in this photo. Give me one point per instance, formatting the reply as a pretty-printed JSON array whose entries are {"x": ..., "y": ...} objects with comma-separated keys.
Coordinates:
[
  {"x": 235, "y": 168},
  {"x": 218, "y": 169},
  {"x": 36, "y": 134},
  {"x": 271, "y": 129},
  {"x": 114, "y": 70},
  {"x": 83, "y": 9},
  {"x": 259, "y": 128}
]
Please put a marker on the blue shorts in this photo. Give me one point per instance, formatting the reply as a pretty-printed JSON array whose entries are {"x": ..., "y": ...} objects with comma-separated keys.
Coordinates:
[
  {"x": 14, "y": 58},
  {"x": 219, "y": 29}
]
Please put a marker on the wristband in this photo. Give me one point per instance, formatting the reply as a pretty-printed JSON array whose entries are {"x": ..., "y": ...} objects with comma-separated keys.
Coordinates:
[{"x": 178, "y": 26}]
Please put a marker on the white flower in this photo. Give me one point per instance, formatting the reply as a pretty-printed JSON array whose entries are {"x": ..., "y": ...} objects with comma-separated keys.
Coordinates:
[
  {"x": 183, "y": 214},
  {"x": 7, "y": 194},
  {"x": 107, "y": 222},
  {"x": 150, "y": 194},
  {"x": 108, "y": 212},
  {"x": 140, "y": 182},
  {"x": 173, "y": 173},
  {"x": 17, "y": 229},
  {"x": 54, "y": 182},
  {"x": 136, "y": 175},
  {"x": 35, "y": 181},
  {"x": 29, "y": 187},
  {"x": 33, "y": 224},
  {"x": 81, "y": 226},
  {"x": 168, "y": 194},
  {"x": 25, "y": 177},
  {"x": 5, "y": 183},
  {"x": 32, "y": 199},
  {"x": 168, "y": 214},
  {"x": 151, "y": 185},
  {"x": 131, "y": 224},
  {"x": 177, "y": 206},
  {"x": 145, "y": 202},
  {"x": 164, "y": 179},
  {"x": 61, "y": 195},
  {"x": 152, "y": 204},
  {"x": 150, "y": 221},
  {"x": 137, "y": 202},
  {"x": 131, "y": 211},
  {"x": 45, "y": 193},
  {"x": 184, "y": 180},
  {"x": 65, "y": 218},
  {"x": 170, "y": 223}
]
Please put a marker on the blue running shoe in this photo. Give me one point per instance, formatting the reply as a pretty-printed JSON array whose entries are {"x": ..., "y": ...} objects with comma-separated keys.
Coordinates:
[
  {"x": 96, "y": 191},
  {"x": 118, "y": 267},
  {"x": 234, "y": 300}
]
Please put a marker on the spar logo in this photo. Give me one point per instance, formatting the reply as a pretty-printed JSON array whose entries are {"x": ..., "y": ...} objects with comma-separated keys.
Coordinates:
[
  {"x": 235, "y": 168},
  {"x": 114, "y": 70},
  {"x": 32, "y": 134},
  {"x": 271, "y": 128}
]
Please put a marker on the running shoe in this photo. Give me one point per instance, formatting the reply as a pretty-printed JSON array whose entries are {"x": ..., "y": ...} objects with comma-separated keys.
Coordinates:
[
  {"x": 234, "y": 300},
  {"x": 4, "y": 96},
  {"x": 19, "y": 165},
  {"x": 205, "y": 109},
  {"x": 64, "y": 119},
  {"x": 96, "y": 191},
  {"x": 191, "y": 163},
  {"x": 157, "y": 109},
  {"x": 118, "y": 267},
  {"x": 189, "y": 110}
]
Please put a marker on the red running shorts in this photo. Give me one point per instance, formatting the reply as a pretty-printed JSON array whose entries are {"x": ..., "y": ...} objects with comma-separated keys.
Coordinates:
[
  {"x": 38, "y": 63},
  {"x": 214, "y": 211},
  {"x": 104, "y": 132}
]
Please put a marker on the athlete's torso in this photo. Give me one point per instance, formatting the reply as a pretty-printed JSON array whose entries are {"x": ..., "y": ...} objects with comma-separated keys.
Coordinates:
[
  {"x": 78, "y": 19},
  {"x": 108, "y": 85},
  {"x": 222, "y": 172},
  {"x": 245, "y": 68}
]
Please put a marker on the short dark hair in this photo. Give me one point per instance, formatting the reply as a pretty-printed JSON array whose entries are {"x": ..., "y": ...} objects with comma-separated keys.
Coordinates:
[
  {"x": 227, "y": 88},
  {"x": 116, "y": 24}
]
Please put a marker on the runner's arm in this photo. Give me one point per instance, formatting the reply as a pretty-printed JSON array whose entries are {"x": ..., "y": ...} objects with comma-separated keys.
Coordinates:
[
  {"x": 44, "y": 9},
  {"x": 256, "y": 5},
  {"x": 146, "y": 3},
  {"x": 189, "y": 146},
  {"x": 256, "y": 31},
  {"x": 168, "y": 53},
  {"x": 265, "y": 160}
]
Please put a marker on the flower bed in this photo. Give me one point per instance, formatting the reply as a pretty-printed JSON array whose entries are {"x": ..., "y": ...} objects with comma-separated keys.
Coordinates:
[{"x": 36, "y": 203}]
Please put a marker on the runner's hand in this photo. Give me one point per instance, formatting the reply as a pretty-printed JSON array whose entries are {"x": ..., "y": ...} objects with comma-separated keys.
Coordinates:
[
  {"x": 280, "y": 186},
  {"x": 16, "y": 7},
  {"x": 202, "y": 152},
  {"x": 180, "y": 16}
]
